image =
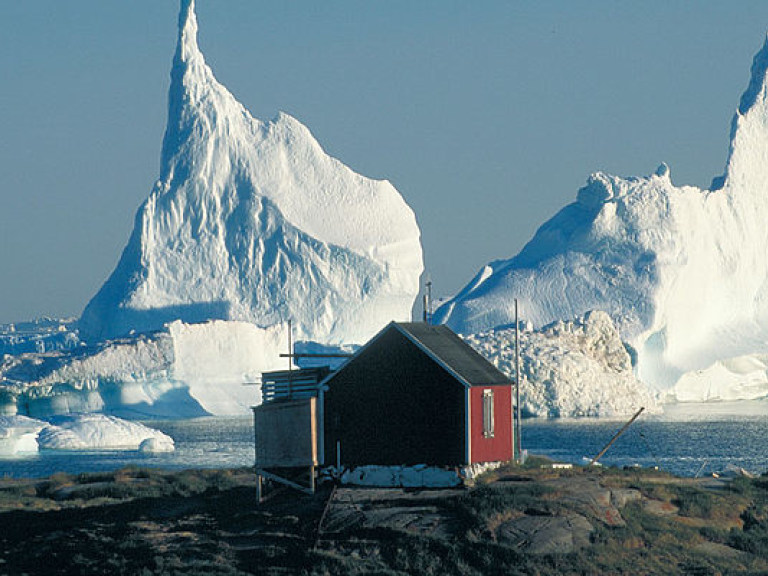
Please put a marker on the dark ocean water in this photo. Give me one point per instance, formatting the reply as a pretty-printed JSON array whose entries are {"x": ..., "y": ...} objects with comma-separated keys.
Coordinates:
[
  {"x": 685, "y": 448},
  {"x": 200, "y": 443},
  {"x": 686, "y": 440}
]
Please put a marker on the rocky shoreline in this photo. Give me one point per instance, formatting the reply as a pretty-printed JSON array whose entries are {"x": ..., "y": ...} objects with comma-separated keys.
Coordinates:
[{"x": 516, "y": 520}]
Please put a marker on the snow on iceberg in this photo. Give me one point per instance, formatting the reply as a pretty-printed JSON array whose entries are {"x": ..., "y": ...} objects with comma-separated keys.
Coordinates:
[
  {"x": 682, "y": 271},
  {"x": 570, "y": 369},
  {"x": 100, "y": 432},
  {"x": 253, "y": 221}
]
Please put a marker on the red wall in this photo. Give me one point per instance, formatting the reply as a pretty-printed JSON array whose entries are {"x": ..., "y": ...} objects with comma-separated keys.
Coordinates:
[{"x": 499, "y": 447}]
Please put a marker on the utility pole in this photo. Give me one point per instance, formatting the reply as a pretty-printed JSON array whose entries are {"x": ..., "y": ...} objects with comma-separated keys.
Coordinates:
[{"x": 519, "y": 428}]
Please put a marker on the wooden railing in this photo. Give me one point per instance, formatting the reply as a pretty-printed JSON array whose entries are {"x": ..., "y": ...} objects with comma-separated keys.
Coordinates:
[{"x": 291, "y": 384}]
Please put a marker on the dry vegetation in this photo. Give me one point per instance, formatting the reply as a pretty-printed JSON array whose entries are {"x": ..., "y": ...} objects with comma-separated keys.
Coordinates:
[{"x": 529, "y": 520}]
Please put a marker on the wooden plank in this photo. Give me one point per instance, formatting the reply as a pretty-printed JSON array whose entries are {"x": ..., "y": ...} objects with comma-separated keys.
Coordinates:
[
  {"x": 286, "y": 434},
  {"x": 616, "y": 436},
  {"x": 281, "y": 480}
]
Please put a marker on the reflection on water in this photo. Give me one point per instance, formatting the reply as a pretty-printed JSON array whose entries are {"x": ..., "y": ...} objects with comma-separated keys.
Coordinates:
[{"x": 685, "y": 440}]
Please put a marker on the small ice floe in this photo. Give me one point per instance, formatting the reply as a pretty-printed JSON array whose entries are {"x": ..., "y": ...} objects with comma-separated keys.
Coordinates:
[
  {"x": 18, "y": 435},
  {"x": 157, "y": 445},
  {"x": 101, "y": 432}
]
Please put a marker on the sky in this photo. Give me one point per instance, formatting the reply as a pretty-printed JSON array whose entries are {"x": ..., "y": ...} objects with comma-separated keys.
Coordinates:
[{"x": 486, "y": 116}]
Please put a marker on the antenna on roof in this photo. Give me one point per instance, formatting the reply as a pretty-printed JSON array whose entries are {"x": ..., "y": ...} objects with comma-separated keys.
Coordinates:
[{"x": 427, "y": 302}]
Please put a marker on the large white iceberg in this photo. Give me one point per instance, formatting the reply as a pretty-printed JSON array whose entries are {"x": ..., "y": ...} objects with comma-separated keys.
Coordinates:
[
  {"x": 251, "y": 225},
  {"x": 682, "y": 271},
  {"x": 252, "y": 221}
]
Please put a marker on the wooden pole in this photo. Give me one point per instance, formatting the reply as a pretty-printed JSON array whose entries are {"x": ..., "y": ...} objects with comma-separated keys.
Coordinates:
[
  {"x": 259, "y": 492},
  {"x": 312, "y": 479},
  {"x": 616, "y": 436},
  {"x": 518, "y": 421},
  {"x": 290, "y": 359}
]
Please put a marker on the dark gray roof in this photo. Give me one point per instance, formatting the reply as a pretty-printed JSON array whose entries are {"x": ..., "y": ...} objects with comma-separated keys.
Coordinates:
[{"x": 448, "y": 348}]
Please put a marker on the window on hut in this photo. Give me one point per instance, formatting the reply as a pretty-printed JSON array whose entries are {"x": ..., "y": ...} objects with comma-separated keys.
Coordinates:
[{"x": 488, "y": 413}]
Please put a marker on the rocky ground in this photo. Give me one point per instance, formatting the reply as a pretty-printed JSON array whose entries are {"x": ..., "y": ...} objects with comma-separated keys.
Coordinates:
[{"x": 531, "y": 520}]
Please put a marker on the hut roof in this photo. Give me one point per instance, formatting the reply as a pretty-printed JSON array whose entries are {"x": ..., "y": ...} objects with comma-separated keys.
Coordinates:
[
  {"x": 444, "y": 347},
  {"x": 448, "y": 349}
]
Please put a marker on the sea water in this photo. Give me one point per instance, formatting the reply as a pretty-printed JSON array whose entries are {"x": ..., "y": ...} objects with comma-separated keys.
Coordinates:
[
  {"x": 686, "y": 440},
  {"x": 216, "y": 442}
]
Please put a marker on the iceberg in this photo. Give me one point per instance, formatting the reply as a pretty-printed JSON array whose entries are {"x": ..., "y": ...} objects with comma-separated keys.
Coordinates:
[
  {"x": 250, "y": 226},
  {"x": 252, "y": 221},
  {"x": 569, "y": 369},
  {"x": 183, "y": 371},
  {"x": 100, "y": 432},
  {"x": 18, "y": 435},
  {"x": 682, "y": 271},
  {"x": 41, "y": 335}
]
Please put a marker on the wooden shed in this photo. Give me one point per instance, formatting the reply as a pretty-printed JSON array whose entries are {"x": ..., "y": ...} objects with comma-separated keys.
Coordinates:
[{"x": 416, "y": 394}]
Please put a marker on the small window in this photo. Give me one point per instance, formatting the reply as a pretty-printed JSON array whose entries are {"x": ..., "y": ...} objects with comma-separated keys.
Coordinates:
[{"x": 488, "y": 413}]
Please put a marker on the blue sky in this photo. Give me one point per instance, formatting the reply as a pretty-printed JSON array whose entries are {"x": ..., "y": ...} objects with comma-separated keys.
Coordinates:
[{"x": 487, "y": 116}]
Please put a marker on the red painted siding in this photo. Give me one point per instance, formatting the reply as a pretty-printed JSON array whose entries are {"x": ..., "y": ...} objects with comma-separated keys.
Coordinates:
[{"x": 499, "y": 446}]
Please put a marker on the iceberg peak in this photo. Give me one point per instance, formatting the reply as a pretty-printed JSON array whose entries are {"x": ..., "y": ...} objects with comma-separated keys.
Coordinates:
[
  {"x": 745, "y": 169},
  {"x": 187, "y": 48},
  {"x": 663, "y": 170},
  {"x": 757, "y": 90}
]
